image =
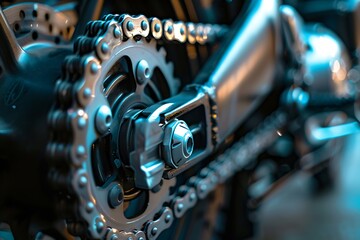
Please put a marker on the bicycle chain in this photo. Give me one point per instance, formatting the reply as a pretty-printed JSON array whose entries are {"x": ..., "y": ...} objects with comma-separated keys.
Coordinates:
[{"x": 100, "y": 36}]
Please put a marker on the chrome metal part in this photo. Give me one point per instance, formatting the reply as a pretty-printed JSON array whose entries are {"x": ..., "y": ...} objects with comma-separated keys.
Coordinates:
[
  {"x": 250, "y": 83},
  {"x": 142, "y": 71},
  {"x": 156, "y": 28},
  {"x": 164, "y": 221},
  {"x": 135, "y": 26},
  {"x": 178, "y": 143},
  {"x": 326, "y": 126},
  {"x": 36, "y": 22},
  {"x": 93, "y": 62},
  {"x": 103, "y": 119},
  {"x": 326, "y": 63},
  {"x": 294, "y": 25},
  {"x": 185, "y": 200},
  {"x": 10, "y": 48}
]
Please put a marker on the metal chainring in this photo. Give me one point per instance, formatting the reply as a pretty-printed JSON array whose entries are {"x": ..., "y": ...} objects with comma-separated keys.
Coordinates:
[
  {"x": 36, "y": 22},
  {"x": 82, "y": 112}
]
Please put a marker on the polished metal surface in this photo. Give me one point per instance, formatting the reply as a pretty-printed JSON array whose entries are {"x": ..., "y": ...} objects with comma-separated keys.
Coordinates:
[
  {"x": 130, "y": 149},
  {"x": 242, "y": 73}
]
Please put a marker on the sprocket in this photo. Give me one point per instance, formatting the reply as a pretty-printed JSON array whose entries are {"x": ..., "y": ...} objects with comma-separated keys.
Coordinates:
[{"x": 100, "y": 85}]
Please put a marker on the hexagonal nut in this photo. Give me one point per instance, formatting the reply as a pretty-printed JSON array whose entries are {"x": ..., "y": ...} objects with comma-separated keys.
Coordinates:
[{"x": 178, "y": 144}]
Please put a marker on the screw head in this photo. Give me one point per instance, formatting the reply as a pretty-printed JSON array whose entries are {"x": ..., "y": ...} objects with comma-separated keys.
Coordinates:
[
  {"x": 115, "y": 196},
  {"x": 103, "y": 119},
  {"x": 142, "y": 71}
]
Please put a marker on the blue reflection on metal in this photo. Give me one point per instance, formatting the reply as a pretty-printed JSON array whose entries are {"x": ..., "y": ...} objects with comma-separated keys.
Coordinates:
[{"x": 327, "y": 133}]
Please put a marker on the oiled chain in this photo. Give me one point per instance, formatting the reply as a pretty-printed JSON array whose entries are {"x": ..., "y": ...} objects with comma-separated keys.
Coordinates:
[
  {"x": 221, "y": 169},
  {"x": 122, "y": 28}
]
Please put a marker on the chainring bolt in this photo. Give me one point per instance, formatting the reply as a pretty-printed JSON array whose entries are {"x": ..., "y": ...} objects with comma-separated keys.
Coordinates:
[
  {"x": 115, "y": 197},
  {"x": 142, "y": 71},
  {"x": 103, "y": 119}
]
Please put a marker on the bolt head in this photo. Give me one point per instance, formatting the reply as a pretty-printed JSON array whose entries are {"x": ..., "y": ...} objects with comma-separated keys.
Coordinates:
[
  {"x": 178, "y": 143},
  {"x": 115, "y": 196},
  {"x": 103, "y": 119},
  {"x": 143, "y": 71}
]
